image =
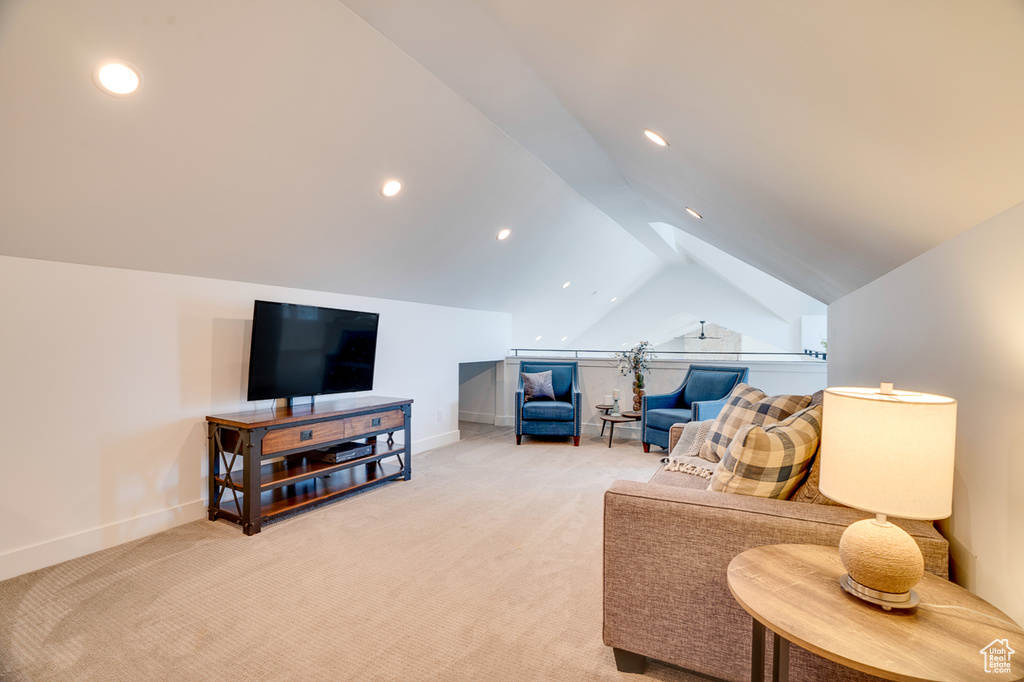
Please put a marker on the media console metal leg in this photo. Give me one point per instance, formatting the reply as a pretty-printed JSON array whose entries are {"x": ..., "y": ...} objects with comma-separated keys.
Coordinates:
[
  {"x": 757, "y": 653},
  {"x": 407, "y": 427},
  {"x": 252, "y": 511},
  {"x": 780, "y": 658}
]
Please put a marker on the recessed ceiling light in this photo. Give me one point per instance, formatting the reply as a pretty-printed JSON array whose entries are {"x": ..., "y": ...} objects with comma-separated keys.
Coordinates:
[
  {"x": 566, "y": 285},
  {"x": 565, "y": 338},
  {"x": 391, "y": 188},
  {"x": 117, "y": 78},
  {"x": 504, "y": 234},
  {"x": 696, "y": 215},
  {"x": 655, "y": 138},
  {"x": 537, "y": 339},
  {"x": 614, "y": 299}
]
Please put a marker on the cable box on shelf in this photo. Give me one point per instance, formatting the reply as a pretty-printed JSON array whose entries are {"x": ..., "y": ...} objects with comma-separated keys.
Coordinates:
[{"x": 336, "y": 454}]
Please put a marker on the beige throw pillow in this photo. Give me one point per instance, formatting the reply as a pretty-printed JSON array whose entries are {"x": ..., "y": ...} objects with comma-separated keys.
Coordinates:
[
  {"x": 770, "y": 461},
  {"x": 747, "y": 406}
]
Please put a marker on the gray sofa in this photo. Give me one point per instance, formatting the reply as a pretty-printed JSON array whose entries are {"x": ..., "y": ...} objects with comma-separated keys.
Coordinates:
[{"x": 667, "y": 545}]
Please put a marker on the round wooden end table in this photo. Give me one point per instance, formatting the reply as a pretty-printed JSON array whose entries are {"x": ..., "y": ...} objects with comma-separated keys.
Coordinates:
[
  {"x": 952, "y": 636},
  {"x": 606, "y": 408},
  {"x": 616, "y": 419}
]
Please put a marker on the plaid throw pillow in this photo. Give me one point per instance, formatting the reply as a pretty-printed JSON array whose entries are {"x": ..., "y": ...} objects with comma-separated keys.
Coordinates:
[
  {"x": 770, "y": 461},
  {"x": 808, "y": 491},
  {"x": 747, "y": 405}
]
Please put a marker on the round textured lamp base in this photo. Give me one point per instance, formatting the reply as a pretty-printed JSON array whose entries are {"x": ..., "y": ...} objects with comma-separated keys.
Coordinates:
[
  {"x": 887, "y": 600},
  {"x": 881, "y": 556}
]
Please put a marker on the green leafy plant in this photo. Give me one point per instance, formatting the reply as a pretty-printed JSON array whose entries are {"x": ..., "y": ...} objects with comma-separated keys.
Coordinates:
[{"x": 635, "y": 360}]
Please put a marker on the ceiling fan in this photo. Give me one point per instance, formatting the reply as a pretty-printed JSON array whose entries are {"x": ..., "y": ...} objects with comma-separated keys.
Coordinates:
[{"x": 703, "y": 336}]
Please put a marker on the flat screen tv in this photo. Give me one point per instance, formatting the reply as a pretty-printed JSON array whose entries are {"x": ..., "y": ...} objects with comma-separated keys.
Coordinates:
[{"x": 300, "y": 350}]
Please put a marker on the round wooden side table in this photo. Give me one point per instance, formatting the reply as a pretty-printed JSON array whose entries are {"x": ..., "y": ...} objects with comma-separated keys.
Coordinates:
[
  {"x": 952, "y": 636},
  {"x": 606, "y": 419},
  {"x": 606, "y": 408},
  {"x": 613, "y": 420}
]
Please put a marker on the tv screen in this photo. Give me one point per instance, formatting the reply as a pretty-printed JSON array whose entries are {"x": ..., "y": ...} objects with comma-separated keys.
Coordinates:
[{"x": 300, "y": 350}]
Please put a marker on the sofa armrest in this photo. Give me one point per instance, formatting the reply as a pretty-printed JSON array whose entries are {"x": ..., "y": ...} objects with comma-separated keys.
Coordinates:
[
  {"x": 679, "y": 432},
  {"x": 707, "y": 409},
  {"x": 666, "y": 553},
  {"x": 673, "y": 435}
]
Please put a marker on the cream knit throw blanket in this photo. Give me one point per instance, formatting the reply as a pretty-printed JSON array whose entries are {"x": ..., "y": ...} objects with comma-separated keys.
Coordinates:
[
  {"x": 683, "y": 457},
  {"x": 690, "y": 468}
]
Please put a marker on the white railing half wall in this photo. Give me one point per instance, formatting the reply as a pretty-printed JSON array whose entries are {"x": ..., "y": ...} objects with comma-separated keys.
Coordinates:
[{"x": 488, "y": 385}]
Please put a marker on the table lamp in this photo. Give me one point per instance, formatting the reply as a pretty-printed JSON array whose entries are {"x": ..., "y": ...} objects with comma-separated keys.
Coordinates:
[{"x": 890, "y": 453}]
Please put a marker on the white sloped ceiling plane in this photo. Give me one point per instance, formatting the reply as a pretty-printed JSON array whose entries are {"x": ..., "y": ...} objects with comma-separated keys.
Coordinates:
[{"x": 823, "y": 143}]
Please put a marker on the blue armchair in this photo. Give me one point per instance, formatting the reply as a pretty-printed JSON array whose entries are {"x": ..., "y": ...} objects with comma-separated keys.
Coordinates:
[
  {"x": 558, "y": 417},
  {"x": 701, "y": 396}
]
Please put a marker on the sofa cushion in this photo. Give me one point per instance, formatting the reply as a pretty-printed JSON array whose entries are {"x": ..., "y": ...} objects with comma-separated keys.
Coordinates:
[
  {"x": 664, "y": 418},
  {"x": 538, "y": 386},
  {"x": 747, "y": 405},
  {"x": 770, "y": 461},
  {"x": 548, "y": 411}
]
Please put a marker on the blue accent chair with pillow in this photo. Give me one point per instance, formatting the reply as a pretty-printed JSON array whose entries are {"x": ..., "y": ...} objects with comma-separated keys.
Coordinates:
[
  {"x": 557, "y": 416},
  {"x": 701, "y": 396}
]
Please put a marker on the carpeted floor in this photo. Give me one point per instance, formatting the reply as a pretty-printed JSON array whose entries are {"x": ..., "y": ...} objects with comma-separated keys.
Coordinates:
[{"x": 485, "y": 566}]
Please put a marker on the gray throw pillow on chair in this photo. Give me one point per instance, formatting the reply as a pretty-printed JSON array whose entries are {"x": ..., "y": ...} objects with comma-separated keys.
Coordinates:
[{"x": 538, "y": 386}]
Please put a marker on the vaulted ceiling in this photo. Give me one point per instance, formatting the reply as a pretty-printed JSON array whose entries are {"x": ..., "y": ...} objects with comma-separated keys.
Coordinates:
[{"x": 824, "y": 144}]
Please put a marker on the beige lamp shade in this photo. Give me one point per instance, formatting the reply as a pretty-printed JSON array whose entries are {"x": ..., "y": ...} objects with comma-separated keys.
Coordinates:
[{"x": 889, "y": 453}]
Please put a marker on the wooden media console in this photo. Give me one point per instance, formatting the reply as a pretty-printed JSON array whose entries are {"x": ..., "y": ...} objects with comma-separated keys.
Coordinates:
[{"x": 281, "y": 451}]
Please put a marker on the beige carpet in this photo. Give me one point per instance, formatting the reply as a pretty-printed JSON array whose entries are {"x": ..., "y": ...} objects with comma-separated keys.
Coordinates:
[{"x": 485, "y": 566}]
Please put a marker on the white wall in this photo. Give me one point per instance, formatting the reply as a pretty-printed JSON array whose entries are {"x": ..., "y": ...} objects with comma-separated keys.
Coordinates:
[
  {"x": 478, "y": 386},
  {"x": 813, "y": 330},
  {"x": 598, "y": 377},
  {"x": 106, "y": 377},
  {"x": 952, "y": 322},
  {"x": 672, "y": 303}
]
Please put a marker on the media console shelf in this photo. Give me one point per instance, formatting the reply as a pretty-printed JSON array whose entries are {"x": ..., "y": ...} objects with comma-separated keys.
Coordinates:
[{"x": 283, "y": 472}]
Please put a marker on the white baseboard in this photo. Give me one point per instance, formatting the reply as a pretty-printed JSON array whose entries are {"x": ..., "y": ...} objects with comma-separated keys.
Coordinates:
[
  {"x": 420, "y": 446},
  {"x": 32, "y": 558},
  {"x": 27, "y": 559},
  {"x": 476, "y": 417},
  {"x": 624, "y": 430}
]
